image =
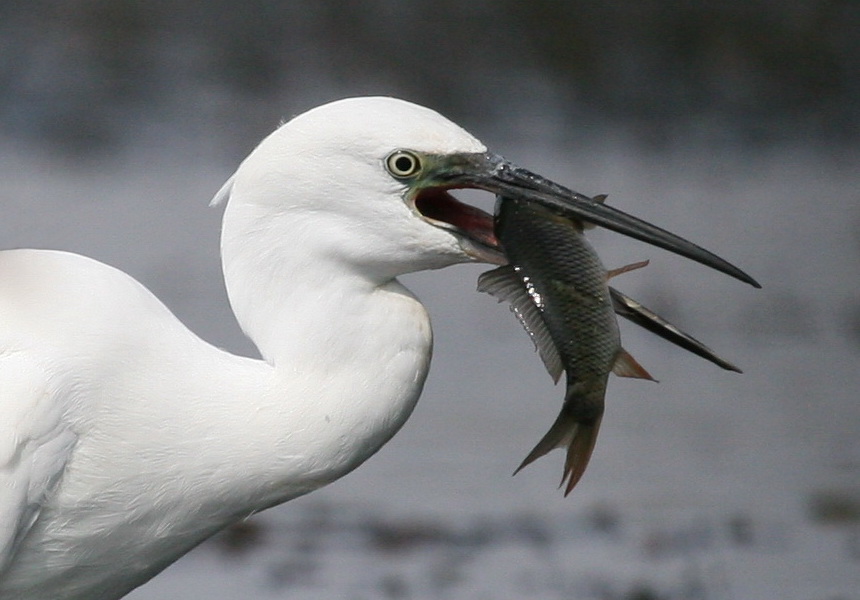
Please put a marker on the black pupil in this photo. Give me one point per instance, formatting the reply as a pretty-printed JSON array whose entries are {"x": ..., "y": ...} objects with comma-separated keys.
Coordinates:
[{"x": 403, "y": 164}]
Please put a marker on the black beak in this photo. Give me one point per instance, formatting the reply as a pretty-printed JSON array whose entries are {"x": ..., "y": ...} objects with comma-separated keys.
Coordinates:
[
  {"x": 495, "y": 174},
  {"x": 630, "y": 309}
]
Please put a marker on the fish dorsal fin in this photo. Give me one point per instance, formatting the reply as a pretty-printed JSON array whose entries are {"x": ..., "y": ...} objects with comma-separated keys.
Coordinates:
[
  {"x": 626, "y": 268},
  {"x": 599, "y": 198},
  {"x": 506, "y": 284},
  {"x": 627, "y": 366}
]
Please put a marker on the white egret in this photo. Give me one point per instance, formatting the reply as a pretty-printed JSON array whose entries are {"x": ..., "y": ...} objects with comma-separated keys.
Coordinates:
[{"x": 125, "y": 440}]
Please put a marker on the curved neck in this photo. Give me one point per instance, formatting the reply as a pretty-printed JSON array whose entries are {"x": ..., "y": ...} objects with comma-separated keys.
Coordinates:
[
  {"x": 349, "y": 353},
  {"x": 297, "y": 302}
]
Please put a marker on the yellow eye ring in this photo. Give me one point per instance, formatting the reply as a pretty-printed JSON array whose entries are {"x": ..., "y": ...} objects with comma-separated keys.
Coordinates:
[{"x": 402, "y": 163}]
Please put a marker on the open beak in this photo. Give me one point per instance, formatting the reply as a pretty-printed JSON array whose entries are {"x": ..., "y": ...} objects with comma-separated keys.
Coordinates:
[
  {"x": 474, "y": 227},
  {"x": 494, "y": 174}
]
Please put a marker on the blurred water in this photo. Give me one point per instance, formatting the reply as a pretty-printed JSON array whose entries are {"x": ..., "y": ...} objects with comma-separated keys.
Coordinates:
[{"x": 707, "y": 485}]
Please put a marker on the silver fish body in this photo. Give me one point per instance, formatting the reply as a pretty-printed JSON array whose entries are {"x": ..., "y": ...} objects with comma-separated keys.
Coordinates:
[{"x": 557, "y": 286}]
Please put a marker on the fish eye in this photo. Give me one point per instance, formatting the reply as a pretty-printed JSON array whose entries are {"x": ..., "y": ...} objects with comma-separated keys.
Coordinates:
[{"x": 402, "y": 163}]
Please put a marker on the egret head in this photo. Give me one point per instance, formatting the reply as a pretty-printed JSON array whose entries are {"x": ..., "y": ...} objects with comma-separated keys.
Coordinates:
[
  {"x": 365, "y": 182},
  {"x": 338, "y": 183}
]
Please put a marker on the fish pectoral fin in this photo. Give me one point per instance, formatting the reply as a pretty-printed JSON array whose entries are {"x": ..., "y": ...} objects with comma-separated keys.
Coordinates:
[
  {"x": 626, "y": 268},
  {"x": 627, "y": 366},
  {"x": 506, "y": 285},
  {"x": 599, "y": 198}
]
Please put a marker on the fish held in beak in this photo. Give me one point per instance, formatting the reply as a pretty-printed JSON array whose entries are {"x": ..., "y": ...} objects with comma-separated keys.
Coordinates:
[
  {"x": 495, "y": 174},
  {"x": 557, "y": 287},
  {"x": 554, "y": 280}
]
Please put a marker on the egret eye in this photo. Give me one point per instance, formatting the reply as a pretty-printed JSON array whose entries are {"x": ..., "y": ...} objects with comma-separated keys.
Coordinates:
[{"x": 402, "y": 163}]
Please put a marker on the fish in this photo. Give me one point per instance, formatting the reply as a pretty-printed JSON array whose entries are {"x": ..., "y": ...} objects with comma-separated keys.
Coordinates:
[{"x": 557, "y": 287}]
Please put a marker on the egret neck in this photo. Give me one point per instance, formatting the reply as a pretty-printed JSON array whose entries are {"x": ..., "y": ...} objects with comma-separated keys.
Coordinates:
[{"x": 319, "y": 322}]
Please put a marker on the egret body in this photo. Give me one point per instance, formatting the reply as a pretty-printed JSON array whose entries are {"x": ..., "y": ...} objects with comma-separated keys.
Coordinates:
[{"x": 126, "y": 440}]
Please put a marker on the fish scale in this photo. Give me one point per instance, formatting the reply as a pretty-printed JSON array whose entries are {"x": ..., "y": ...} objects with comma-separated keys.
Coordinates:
[{"x": 536, "y": 239}]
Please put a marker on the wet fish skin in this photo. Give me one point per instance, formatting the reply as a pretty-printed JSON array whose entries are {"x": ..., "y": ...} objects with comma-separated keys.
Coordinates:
[{"x": 557, "y": 287}]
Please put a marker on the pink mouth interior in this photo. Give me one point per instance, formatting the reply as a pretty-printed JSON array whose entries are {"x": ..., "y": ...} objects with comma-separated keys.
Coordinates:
[{"x": 439, "y": 205}]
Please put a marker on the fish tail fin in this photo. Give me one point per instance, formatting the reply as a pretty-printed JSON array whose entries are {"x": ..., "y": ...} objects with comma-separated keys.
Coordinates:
[
  {"x": 558, "y": 436},
  {"x": 578, "y": 435},
  {"x": 579, "y": 453}
]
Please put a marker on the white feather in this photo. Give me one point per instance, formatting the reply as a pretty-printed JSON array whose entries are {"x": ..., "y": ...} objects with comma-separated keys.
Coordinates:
[{"x": 125, "y": 439}]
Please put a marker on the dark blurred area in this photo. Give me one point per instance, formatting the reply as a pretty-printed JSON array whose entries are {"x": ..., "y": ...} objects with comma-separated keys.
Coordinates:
[{"x": 82, "y": 75}]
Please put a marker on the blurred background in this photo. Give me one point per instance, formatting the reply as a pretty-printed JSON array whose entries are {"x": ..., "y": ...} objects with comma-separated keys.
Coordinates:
[{"x": 734, "y": 124}]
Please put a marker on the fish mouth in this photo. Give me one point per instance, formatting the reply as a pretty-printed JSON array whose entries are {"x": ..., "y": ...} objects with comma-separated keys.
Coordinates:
[
  {"x": 492, "y": 173},
  {"x": 473, "y": 227}
]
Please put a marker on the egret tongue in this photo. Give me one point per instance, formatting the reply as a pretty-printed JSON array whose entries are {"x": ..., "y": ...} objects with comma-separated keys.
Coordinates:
[{"x": 441, "y": 206}]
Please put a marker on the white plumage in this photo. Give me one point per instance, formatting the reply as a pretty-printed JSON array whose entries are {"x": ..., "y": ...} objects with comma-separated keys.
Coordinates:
[{"x": 126, "y": 440}]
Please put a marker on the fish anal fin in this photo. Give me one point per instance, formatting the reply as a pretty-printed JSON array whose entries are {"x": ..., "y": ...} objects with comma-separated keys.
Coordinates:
[
  {"x": 626, "y": 268},
  {"x": 627, "y": 366}
]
